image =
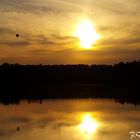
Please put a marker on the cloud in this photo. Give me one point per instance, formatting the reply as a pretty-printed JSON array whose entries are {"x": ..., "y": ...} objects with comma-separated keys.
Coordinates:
[
  {"x": 53, "y": 40},
  {"x": 4, "y": 133},
  {"x": 25, "y": 7},
  {"x": 38, "y": 51},
  {"x": 15, "y": 43},
  {"x": 122, "y": 42},
  {"x": 38, "y": 7},
  {"x": 4, "y": 30},
  {"x": 15, "y": 120},
  {"x": 120, "y": 7},
  {"x": 58, "y": 37},
  {"x": 132, "y": 40},
  {"x": 63, "y": 124}
]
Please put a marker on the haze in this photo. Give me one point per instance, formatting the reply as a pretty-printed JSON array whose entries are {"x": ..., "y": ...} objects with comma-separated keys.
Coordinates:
[{"x": 46, "y": 27}]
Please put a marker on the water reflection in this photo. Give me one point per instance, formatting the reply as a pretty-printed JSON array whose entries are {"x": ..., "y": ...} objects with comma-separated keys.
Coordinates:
[
  {"x": 69, "y": 119},
  {"x": 88, "y": 125}
]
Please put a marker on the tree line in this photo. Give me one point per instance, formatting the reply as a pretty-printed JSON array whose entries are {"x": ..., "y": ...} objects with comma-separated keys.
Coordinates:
[{"x": 119, "y": 81}]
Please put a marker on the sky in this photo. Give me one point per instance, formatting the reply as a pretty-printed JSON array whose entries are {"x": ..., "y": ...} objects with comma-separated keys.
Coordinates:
[{"x": 46, "y": 31}]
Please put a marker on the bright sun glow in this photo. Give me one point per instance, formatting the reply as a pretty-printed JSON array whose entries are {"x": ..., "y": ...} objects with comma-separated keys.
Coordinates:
[
  {"x": 86, "y": 34},
  {"x": 88, "y": 125}
]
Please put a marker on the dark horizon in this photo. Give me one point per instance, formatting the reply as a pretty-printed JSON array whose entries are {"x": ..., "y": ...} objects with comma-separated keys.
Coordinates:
[
  {"x": 108, "y": 64},
  {"x": 120, "y": 81}
]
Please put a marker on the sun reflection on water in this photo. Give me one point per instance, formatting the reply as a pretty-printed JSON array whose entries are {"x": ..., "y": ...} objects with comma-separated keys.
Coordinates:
[{"x": 89, "y": 125}]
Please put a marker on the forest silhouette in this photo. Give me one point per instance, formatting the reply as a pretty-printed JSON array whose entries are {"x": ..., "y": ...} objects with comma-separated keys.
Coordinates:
[{"x": 120, "y": 82}]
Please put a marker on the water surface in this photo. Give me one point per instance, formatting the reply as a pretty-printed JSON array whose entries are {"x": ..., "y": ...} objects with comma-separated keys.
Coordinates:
[{"x": 62, "y": 120}]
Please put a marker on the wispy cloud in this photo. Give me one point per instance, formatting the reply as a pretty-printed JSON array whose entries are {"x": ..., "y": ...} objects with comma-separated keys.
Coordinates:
[
  {"x": 4, "y": 30},
  {"x": 46, "y": 25},
  {"x": 15, "y": 43}
]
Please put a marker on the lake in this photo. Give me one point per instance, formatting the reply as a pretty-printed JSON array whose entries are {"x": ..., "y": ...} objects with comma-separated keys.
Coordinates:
[{"x": 79, "y": 119}]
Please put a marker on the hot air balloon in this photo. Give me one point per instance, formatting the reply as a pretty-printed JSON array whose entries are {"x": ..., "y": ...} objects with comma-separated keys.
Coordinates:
[
  {"x": 17, "y": 35},
  {"x": 18, "y": 128}
]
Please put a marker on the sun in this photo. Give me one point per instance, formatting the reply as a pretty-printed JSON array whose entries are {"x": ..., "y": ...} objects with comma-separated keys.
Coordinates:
[
  {"x": 88, "y": 125},
  {"x": 86, "y": 33}
]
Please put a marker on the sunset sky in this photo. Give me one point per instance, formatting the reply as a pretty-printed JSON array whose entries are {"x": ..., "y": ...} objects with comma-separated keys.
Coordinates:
[{"x": 47, "y": 31}]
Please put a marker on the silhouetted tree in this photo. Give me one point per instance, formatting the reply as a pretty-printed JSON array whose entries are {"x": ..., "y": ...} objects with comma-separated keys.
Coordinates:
[{"x": 118, "y": 81}]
